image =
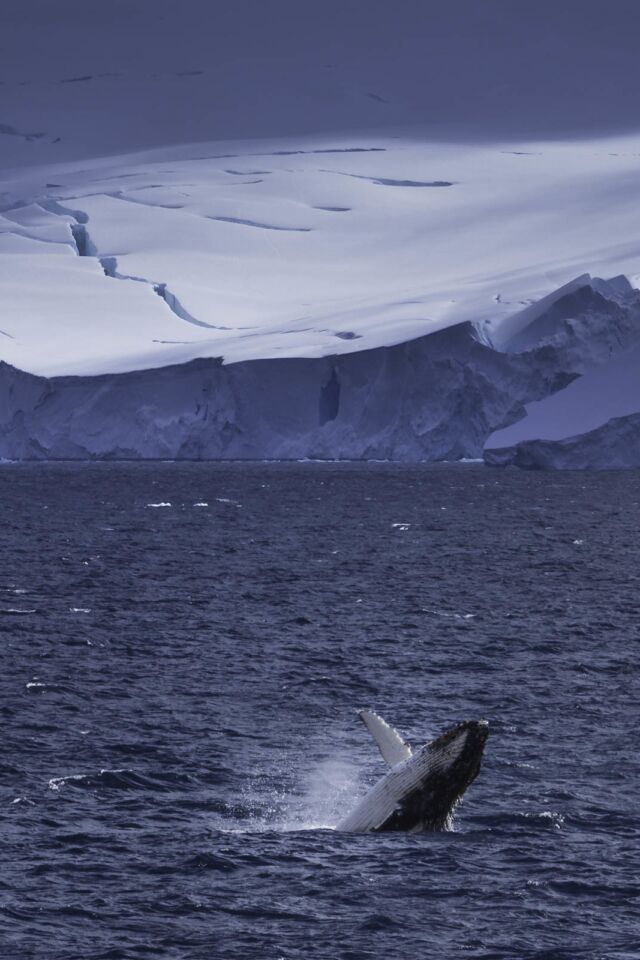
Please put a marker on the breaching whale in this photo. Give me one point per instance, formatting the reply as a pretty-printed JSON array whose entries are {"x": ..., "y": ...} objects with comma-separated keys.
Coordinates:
[{"x": 422, "y": 789}]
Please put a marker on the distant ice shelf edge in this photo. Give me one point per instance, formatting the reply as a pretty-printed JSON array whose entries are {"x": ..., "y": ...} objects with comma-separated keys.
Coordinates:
[{"x": 449, "y": 395}]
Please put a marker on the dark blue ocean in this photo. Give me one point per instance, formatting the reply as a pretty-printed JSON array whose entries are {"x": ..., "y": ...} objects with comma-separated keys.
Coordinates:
[{"x": 184, "y": 648}]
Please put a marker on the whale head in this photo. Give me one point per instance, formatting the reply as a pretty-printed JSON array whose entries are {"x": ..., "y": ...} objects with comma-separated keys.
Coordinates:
[{"x": 442, "y": 771}]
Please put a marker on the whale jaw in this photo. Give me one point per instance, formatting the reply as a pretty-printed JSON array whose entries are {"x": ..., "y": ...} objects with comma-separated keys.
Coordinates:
[{"x": 420, "y": 794}]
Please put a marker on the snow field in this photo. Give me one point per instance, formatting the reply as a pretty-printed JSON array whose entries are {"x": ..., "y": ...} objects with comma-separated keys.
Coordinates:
[{"x": 299, "y": 247}]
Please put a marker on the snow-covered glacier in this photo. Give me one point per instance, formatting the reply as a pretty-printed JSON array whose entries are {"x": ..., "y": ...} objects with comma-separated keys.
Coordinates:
[
  {"x": 310, "y": 299},
  {"x": 208, "y": 252}
]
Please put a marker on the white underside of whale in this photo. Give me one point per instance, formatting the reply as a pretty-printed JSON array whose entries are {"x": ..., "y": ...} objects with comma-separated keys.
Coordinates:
[{"x": 405, "y": 775}]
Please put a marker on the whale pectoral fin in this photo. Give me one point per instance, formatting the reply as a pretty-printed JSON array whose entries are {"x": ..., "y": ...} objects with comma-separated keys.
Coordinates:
[{"x": 392, "y": 747}]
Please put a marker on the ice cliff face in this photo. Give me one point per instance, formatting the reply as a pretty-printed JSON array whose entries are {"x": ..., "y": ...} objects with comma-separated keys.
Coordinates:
[
  {"x": 433, "y": 398},
  {"x": 437, "y": 397}
]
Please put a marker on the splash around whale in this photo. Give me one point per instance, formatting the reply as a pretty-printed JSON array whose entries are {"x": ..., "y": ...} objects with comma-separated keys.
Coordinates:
[{"x": 421, "y": 790}]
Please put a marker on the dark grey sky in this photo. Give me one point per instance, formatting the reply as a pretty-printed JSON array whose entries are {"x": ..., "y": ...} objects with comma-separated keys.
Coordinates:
[{"x": 134, "y": 73}]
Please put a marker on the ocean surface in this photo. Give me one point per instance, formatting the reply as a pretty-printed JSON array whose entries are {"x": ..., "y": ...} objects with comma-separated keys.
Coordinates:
[{"x": 184, "y": 648}]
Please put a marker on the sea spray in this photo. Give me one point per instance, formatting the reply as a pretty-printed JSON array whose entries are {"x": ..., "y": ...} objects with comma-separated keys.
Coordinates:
[{"x": 294, "y": 797}]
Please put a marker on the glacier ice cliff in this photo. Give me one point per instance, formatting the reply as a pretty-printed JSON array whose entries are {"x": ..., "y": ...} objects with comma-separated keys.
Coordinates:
[{"x": 436, "y": 397}]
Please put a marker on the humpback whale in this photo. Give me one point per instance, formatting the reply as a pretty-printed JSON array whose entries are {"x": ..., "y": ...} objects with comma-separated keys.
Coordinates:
[{"x": 421, "y": 789}]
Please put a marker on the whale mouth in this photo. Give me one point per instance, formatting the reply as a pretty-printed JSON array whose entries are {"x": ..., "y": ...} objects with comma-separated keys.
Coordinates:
[
  {"x": 477, "y": 732},
  {"x": 481, "y": 729}
]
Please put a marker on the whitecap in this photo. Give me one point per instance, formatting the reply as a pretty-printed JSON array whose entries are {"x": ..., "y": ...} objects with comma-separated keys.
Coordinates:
[
  {"x": 557, "y": 819},
  {"x": 79, "y": 610},
  {"x": 450, "y": 615},
  {"x": 56, "y": 782},
  {"x": 158, "y": 504},
  {"x": 201, "y": 503}
]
